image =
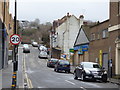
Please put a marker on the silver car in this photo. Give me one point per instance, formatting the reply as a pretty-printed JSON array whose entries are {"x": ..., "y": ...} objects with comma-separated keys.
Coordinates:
[
  {"x": 90, "y": 70},
  {"x": 34, "y": 44},
  {"x": 26, "y": 48}
]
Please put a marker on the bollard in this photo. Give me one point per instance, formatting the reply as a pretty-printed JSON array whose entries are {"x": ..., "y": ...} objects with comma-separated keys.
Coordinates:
[{"x": 14, "y": 79}]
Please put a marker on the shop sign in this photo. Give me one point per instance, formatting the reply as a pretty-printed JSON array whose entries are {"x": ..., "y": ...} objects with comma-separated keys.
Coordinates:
[
  {"x": 76, "y": 47},
  {"x": 80, "y": 50},
  {"x": 84, "y": 47},
  {"x": 71, "y": 50}
]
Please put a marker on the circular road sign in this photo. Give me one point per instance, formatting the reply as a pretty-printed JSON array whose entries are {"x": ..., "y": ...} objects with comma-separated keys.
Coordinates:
[{"x": 15, "y": 39}]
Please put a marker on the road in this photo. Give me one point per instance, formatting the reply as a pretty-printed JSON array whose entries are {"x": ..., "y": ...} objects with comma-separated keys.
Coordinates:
[{"x": 40, "y": 76}]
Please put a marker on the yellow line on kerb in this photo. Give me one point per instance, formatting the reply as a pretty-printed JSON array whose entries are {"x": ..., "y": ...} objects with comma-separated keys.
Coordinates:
[{"x": 29, "y": 83}]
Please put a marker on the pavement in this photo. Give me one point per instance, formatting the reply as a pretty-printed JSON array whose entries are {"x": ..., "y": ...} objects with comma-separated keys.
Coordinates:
[
  {"x": 111, "y": 80},
  {"x": 7, "y": 76}
]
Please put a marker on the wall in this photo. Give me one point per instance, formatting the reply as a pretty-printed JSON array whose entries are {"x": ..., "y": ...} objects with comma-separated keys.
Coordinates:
[
  {"x": 98, "y": 44},
  {"x": 0, "y": 44}
]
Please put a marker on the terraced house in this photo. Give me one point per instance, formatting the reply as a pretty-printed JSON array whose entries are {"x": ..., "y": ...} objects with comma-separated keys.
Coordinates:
[{"x": 6, "y": 29}]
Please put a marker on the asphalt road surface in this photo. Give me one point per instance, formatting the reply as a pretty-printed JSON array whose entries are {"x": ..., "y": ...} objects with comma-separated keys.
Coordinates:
[{"x": 41, "y": 76}]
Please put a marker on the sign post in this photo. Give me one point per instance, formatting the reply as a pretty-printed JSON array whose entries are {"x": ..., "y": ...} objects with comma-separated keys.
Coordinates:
[{"x": 15, "y": 40}]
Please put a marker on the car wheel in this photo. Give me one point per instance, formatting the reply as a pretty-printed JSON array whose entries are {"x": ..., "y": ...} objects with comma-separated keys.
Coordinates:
[
  {"x": 82, "y": 77},
  {"x": 47, "y": 65},
  {"x": 68, "y": 71},
  {"x": 54, "y": 69},
  {"x": 104, "y": 79},
  {"x": 57, "y": 70},
  {"x": 75, "y": 76}
]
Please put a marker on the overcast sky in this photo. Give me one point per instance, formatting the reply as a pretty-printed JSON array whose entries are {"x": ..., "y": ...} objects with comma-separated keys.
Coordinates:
[{"x": 49, "y": 10}]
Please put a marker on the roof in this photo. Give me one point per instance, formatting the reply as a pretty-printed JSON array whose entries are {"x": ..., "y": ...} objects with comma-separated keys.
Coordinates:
[
  {"x": 58, "y": 22},
  {"x": 99, "y": 23},
  {"x": 83, "y": 36}
]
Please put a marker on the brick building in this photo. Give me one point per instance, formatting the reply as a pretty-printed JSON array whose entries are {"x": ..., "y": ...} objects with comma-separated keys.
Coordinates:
[
  {"x": 6, "y": 29},
  {"x": 104, "y": 46},
  {"x": 114, "y": 33}
]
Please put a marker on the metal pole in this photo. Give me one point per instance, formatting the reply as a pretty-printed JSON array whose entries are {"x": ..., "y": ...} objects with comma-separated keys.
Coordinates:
[
  {"x": 15, "y": 61},
  {"x": 3, "y": 38}
]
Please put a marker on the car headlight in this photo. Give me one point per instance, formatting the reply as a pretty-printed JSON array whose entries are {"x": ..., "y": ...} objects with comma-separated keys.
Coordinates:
[
  {"x": 87, "y": 72},
  {"x": 105, "y": 72}
]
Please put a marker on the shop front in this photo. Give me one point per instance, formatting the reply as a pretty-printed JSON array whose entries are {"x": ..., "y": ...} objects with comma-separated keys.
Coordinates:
[{"x": 81, "y": 54}]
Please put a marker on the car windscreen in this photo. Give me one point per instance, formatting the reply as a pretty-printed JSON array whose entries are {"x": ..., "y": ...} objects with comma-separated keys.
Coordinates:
[
  {"x": 25, "y": 45},
  {"x": 64, "y": 63},
  {"x": 54, "y": 60},
  {"x": 89, "y": 65}
]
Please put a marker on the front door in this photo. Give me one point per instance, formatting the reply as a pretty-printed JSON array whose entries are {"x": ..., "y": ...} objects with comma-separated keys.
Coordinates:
[{"x": 105, "y": 61}]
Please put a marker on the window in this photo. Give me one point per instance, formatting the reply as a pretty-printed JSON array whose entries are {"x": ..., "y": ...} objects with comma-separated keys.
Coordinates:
[
  {"x": 98, "y": 35},
  {"x": 92, "y": 36},
  {"x": 9, "y": 27},
  {"x": 105, "y": 33}
]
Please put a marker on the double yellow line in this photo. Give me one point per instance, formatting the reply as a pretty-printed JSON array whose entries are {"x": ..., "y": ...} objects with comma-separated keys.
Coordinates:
[{"x": 26, "y": 78}]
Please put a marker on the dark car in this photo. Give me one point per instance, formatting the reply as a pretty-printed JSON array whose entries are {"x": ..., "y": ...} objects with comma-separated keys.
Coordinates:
[
  {"x": 90, "y": 70},
  {"x": 62, "y": 65},
  {"x": 51, "y": 62}
]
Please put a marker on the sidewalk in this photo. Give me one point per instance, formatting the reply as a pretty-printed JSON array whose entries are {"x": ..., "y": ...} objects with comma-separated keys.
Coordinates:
[
  {"x": 115, "y": 81},
  {"x": 7, "y": 76}
]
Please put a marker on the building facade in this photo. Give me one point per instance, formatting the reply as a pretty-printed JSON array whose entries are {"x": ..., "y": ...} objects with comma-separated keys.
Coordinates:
[
  {"x": 114, "y": 31},
  {"x": 81, "y": 45},
  {"x": 66, "y": 31},
  {"x": 99, "y": 44},
  {"x": 6, "y": 29},
  {"x": 104, "y": 46}
]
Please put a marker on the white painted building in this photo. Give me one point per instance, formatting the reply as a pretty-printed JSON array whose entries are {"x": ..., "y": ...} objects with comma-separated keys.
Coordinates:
[{"x": 67, "y": 32}]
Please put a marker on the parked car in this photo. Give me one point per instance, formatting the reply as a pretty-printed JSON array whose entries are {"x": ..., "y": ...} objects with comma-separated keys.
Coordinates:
[
  {"x": 90, "y": 70},
  {"x": 51, "y": 62},
  {"x": 34, "y": 44},
  {"x": 42, "y": 48},
  {"x": 26, "y": 48},
  {"x": 43, "y": 54},
  {"x": 62, "y": 65}
]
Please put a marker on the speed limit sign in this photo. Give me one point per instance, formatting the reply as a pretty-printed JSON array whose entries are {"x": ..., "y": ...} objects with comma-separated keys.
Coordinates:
[{"x": 15, "y": 39}]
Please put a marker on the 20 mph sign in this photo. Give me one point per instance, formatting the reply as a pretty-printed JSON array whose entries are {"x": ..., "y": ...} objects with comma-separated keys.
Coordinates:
[{"x": 15, "y": 39}]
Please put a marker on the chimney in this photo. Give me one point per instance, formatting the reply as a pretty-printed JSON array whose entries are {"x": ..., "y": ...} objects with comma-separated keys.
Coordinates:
[
  {"x": 68, "y": 14},
  {"x": 81, "y": 20}
]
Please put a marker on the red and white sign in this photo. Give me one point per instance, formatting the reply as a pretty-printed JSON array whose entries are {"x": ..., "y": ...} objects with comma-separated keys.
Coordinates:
[{"x": 15, "y": 39}]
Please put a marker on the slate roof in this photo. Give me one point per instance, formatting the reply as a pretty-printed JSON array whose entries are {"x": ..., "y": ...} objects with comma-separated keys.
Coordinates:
[{"x": 83, "y": 36}]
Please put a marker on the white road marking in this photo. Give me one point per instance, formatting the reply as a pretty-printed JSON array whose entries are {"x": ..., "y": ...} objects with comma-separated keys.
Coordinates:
[
  {"x": 91, "y": 84},
  {"x": 25, "y": 74},
  {"x": 70, "y": 82},
  {"x": 41, "y": 87},
  {"x": 83, "y": 88}
]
